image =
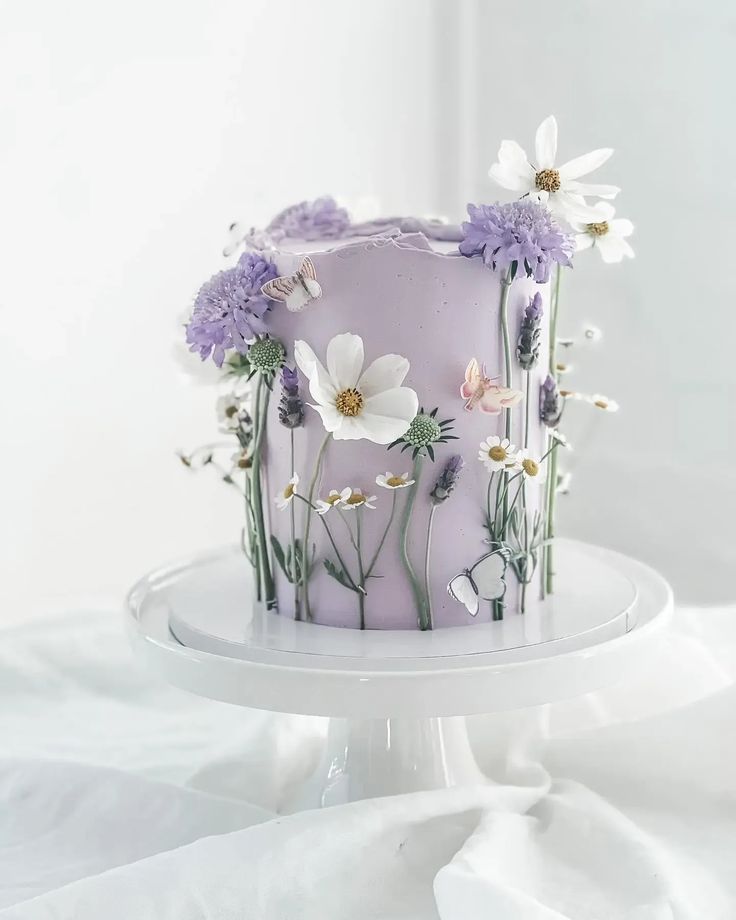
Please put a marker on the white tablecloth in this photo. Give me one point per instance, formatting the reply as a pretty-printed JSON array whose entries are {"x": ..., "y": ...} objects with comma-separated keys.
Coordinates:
[{"x": 123, "y": 798}]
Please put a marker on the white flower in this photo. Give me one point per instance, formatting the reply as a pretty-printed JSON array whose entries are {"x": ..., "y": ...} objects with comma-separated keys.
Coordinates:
[
  {"x": 354, "y": 403},
  {"x": 605, "y": 233},
  {"x": 357, "y": 499},
  {"x": 231, "y": 412},
  {"x": 334, "y": 498},
  {"x": 557, "y": 187},
  {"x": 529, "y": 468},
  {"x": 496, "y": 454},
  {"x": 560, "y": 438},
  {"x": 240, "y": 461},
  {"x": 603, "y": 402},
  {"x": 283, "y": 498},
  {"x": 389, "y": 481}
]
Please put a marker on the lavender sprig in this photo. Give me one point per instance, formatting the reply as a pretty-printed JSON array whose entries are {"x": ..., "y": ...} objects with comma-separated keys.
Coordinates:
[
  {"x": 447, "y": 480},
  {"x": 527, "y": 346},
  {"x": 551, "y": 403},
  {"x": 291, "y": 405}
]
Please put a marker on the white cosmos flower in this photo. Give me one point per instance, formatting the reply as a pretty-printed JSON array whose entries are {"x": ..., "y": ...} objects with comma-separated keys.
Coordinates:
[
  {"x": 389, "y": 481},
  {"x": 356, "y": 403},
  {"x": 358, "y": 499},
  {"x": 283, "y": 498},
  {"x": 605, "y": 233},
  {"x": 496, "y": 453},
  {"x": 556, "y": 186},
  {"x": 334, "y": 498}
]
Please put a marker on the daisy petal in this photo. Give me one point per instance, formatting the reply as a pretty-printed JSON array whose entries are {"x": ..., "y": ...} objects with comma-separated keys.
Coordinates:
[
  {"x": 385, "y": 373},
  {"x": 621, "y": 227},
  {"x": 345, "y": 360},
  {"x": 589, "y": 188},
  {"x": 320, "y": 385},
  {"x": 545, "y": 143},
  {"x": 585, "y": 164}
]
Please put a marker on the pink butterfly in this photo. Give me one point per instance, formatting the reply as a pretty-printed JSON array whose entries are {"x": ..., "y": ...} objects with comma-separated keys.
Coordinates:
[{"x": 480, "y": 390}]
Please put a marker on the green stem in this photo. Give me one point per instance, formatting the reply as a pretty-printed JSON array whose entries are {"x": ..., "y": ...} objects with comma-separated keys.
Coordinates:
[
  {"x": 526, "y": 410},
  {"x": 503, "y": 309},
  {"x": 422, "y": 617},
  {"x": 428, "y": 547},
  {"x": 261, "y": 411},
  {"x": 513, "y": 502},
  {"x": 377, "y": 553},
  {"x": 307, "y": 525},
  {"x": 332, "y": 541},
  {"x": 549, "y": 527},
  {"x": 361, "y": 574},
  {"x": 491, "y": 520},
  {"x": 294, "y": 565}
]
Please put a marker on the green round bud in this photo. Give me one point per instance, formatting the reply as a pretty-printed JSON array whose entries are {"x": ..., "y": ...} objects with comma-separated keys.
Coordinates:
[
  {"x": 266, "y": 355},
  {"x": 424, "y": 430}
]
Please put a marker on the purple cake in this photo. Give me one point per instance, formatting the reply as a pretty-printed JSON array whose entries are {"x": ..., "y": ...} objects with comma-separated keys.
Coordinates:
[{"x": 397, "y": 442}]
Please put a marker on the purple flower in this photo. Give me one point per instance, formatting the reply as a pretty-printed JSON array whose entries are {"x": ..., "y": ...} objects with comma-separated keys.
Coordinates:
[
  {"x": 522, "y": 232},
  {"x": 321, "y": 219},
  {"x": 291, "y": 405},
  {"x": 527, "y": 346},
  {"x": 550, "y": 402},
  {"x": 447, "y": 480},
  {"x": 229, "y": 309}
]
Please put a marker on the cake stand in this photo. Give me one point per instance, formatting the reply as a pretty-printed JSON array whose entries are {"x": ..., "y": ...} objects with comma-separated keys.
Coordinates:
[{"x": 396, "y": 700}]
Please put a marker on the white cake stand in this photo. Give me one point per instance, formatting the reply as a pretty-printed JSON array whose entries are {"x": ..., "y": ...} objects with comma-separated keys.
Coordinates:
[{"x": 395, "y": 698}]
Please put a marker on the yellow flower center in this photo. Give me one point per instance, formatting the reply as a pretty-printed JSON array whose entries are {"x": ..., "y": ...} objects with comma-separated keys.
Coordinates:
[
  {"x": 289, "y": 491},
  {"x": 601, "y": 403},
  {"x": 356, "y": 498},
  {"x": 531, "y": 467},
  {"x": 244, "y": 463},
  {"x": 231, "y": 411},
  {"x": 349, "y": 402},
  {"x": 395, "y": 481},
  {"x": 333, "y": 499},
  {"x": 548, "y": 180},
  {"x": 498, "y": 453},
  {"x": 599, "y": 229}
]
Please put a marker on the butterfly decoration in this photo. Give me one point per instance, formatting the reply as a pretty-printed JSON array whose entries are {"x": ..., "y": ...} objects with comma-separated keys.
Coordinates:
[
  {"x": 296, "y": 290},
  {"x": 479, "y": 390},
  {"x": 482, "y": 582}
]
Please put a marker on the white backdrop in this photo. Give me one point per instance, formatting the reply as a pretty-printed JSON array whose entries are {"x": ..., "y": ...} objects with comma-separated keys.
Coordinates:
[{"x": 135, "y": 133}]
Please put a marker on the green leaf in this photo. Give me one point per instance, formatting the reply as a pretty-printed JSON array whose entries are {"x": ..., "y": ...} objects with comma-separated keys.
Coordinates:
[
  {"x": 337, "y": 574},
  {"x": 278, "y": 552}
]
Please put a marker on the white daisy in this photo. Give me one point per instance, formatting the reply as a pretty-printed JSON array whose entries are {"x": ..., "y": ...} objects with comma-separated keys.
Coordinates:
[
  {"x": 358, "y": 499},
  {"x": 529, "y": 468},
  {"x": 240, "y": 461},
  {"x": 334, "y": 498},
  {"x": 556, "y": 186},
  {"x": 603, "y": 402},
  {"x": 389, "y": 481},
  {"x": 496, "y": 453},
  {"x": 230, "y": 412},
  {"x": 354, "y": 403},
  {"x": 560, "y": 438},
  {"x": 283, "y": 498},
  {"x": 605, "y": 233}
]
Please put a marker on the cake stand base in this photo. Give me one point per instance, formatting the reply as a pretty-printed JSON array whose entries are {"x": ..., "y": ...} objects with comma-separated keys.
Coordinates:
[{"x": 396, "y": 699}]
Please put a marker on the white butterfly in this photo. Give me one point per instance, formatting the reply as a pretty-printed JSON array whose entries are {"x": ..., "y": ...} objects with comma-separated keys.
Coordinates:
[
  {"x": 484, "y": 581},
  {"x": 296, "y": 290}
]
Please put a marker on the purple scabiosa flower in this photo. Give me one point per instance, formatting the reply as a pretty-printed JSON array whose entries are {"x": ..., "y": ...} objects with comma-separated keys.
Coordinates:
[
  {"x": 447, "y": 480},
  {"x": 551, "y": 403},
  {"x": 291, "y": 405},
  {"x": 229, "y": 309},
  {"x": 521, "y": 235},
  {"x": 320, "y": 219},
  {"x": 527, "y": 346}
]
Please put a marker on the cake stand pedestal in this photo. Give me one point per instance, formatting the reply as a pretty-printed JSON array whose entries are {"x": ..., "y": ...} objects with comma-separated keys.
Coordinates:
[{"x": 396, "y": 699}]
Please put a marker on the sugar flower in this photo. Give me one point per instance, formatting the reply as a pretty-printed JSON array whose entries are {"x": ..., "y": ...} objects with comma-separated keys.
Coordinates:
[
  {"x": 559, "y": 438},
  {"x": 229, "y": 309},
  {"x": 358, "y": 499},
  {"x": 287, "y": 494},
  {"x": 496, "y": 453},
  {"x": 321, "y": 219},
  {"x": 230, "y": 412},
  {"x": 478, "y": 389},
  {"x": 551, "y": 404},
  {"x": 323, "y": 505},
  {"x": 529, "y": 468},
  {"x": 605, "y": 233},
  {"x": 291, "y": 406},
  {"x": 389, "y": 481},
  {"x": 447, "y": 480},
  {"x": 603, "y": 403},
  {"x": 556, "y": 186},
  {"x": 527, "y": 346},
  {"x": 424, "y": 432},
  {"x": 266, "y": 355},
  {"x": 242, "y": 460},
  {"x": 520, "y": 233},
  {"x": 355, "y": 403}
]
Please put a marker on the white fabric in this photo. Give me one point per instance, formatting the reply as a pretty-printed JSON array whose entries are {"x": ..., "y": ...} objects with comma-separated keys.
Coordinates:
[{"x": 123, "y": 798}]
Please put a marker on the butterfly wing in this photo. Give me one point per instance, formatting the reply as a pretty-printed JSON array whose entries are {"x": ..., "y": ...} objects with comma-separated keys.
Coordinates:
[
  {"x": 307, "y": 269},
  {"x": 461, "y": 589},
  {"x": 472, "y": 379},
  {"x": 488, "y": 576},
  {"x": 280, "y": 288}
]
